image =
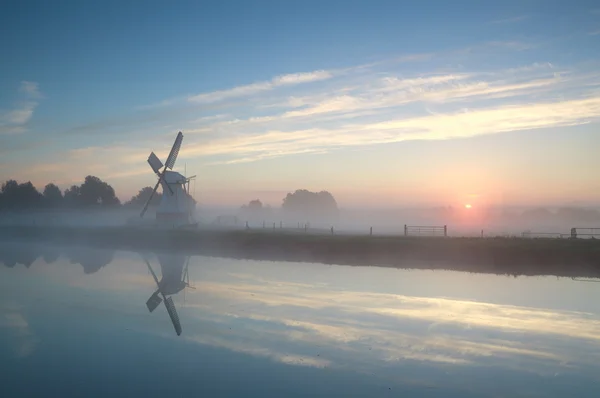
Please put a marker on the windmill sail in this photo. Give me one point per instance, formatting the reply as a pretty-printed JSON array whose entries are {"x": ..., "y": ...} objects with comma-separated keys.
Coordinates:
[
  {"x": 154, "y": 301},
  {"x": 155, "y": 163},
  {"x": 174, "y": 151},
  {"x": 173, "y": 314}
]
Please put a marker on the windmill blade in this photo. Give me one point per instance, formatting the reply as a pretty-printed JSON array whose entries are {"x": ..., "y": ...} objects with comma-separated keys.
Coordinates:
[
  {"x": 149, "y": 199},
  {"x": 174, "y": 151},
  {"x": 155, "y": 163},
  {"x": 153, "y": 301},
  {"x": 173, "y": 315}
]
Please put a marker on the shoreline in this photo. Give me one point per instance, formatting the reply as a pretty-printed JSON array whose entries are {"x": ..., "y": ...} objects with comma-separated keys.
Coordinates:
[{"x": 508, "y": 256}]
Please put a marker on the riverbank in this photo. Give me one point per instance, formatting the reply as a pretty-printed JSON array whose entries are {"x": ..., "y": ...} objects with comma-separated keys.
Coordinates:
[{"x": 514, "y": 256}]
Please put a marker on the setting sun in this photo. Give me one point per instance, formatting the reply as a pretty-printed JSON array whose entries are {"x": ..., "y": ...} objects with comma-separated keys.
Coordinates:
[{"x": 468, "y": 206}]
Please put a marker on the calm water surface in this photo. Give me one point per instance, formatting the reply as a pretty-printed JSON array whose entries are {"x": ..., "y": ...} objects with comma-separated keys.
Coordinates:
[{"x": 77, "y": 322}]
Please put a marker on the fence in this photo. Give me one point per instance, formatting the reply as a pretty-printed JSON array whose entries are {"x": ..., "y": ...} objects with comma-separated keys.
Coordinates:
[
  {"x": 427, "y": 230},
  {"x": 557, "y": 235},
  {"x": 587, "y": 232}
]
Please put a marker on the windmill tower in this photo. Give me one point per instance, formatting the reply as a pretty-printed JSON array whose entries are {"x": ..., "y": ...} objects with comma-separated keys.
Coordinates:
[{"x": 177, "y": 206}]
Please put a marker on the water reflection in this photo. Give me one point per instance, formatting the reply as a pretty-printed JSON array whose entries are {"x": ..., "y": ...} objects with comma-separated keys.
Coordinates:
[
  {"x": 174, "y": 278},
  {"x": 382, "y": 331},
  {"x": 91, "y": 259}
]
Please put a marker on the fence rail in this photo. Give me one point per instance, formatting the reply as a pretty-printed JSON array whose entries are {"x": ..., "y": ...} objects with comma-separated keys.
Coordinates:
[
  {"x": 558, "y": 235},
  {"x": 590, "y": 232},
  {"x": 426, "y": 230}
]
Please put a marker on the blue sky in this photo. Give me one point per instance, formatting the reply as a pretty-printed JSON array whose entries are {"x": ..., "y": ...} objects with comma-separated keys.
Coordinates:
[{"x": 380, "y": 102}]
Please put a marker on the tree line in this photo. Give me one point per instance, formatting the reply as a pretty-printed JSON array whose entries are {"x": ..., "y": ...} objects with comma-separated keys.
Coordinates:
[{"x": 92, "y": 193}]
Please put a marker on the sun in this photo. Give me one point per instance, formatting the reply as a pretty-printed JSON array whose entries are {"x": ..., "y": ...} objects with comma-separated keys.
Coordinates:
[{"x": 468, "y": 206}]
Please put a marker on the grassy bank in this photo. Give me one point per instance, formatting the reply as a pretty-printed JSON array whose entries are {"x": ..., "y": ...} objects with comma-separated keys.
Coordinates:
[{"x": 561, "y": 257}]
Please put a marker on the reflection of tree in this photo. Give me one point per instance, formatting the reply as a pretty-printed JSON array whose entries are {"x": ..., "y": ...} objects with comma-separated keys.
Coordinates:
[
  {"x": 50, "y": 254},
  {"x": 12, "y": 254},
  {"x": 91, "y": 259}
]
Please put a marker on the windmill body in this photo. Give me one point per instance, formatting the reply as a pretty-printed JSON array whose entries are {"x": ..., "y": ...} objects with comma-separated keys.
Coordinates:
[{"x": 177, "y": 205}]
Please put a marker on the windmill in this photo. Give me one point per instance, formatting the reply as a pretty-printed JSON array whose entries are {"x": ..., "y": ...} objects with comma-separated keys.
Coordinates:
[
  {"x": 174, "y": 278},
  {"x": 177, "y": 205}
]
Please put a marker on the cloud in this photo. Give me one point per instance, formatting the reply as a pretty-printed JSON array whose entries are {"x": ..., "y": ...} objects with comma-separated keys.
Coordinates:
[
  {"x": 594, "y": 33},
  {"x": 14, "y": 121},
  {"x": 31, "y": 89},
  {"x": 255, "y": 88},
  {"x": 471, "y": 104},
  {"x": 24, "y": 341}
]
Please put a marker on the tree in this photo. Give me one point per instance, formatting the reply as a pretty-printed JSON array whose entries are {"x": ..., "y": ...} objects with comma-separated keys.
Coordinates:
[
  {"x": 95, "y": 192},
  {"x": 141, "y": 198},
  {"x": 311, "y": 206},
  {"x": 19, "y": 196},
  {"x": 72, "y": 196},
  {"x": 253, "y": 210},
  {"x": 52, "y": 196},
  {"x": 253, "y": 206}
]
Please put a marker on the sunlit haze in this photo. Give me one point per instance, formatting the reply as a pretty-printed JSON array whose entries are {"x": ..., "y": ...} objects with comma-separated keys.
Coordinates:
[{"x": 383, "y": 104}]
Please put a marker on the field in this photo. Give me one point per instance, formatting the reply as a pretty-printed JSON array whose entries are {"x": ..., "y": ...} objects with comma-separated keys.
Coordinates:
[{"x": 513, "y": 256}]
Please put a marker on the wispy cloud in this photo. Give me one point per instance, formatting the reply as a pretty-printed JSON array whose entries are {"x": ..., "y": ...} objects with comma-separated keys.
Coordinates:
[
  {"x": 594, "y": 33},
  {"x": 255, "y": 88},
  {"x": 375, "y": 113},
  {"x": 12, "y": 318},
  {"x": 14, "y": 121},
  {"x": 30, "y": 88}
]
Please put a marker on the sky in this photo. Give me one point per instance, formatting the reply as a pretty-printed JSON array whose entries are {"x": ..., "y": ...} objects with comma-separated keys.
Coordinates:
[{"x": 382, "y": 103}]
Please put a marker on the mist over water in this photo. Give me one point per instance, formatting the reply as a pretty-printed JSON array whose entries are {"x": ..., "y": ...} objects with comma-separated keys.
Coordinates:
[{"x": 459, "y": 221}]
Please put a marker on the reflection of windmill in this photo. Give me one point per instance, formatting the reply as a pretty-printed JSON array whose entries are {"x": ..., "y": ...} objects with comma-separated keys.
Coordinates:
[
  {"x": 174, "y": 278},
  {"x": 177, "y": 205}
]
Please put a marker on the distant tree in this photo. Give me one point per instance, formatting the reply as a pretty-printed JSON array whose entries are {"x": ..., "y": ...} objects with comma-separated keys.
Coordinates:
[
  {"x": 311, "y": 206},
  {"x": 253, "y": 206},
  {"x": 17, "y": 196},
  {"x": 52, "y": 196},
  {"x": 253, "y": 210},
  {"x": 142, "y": 196},
  {"x": 72, "y": 196},
  {"x": 95, "y": 192},
  {"x": 575, "y": 214}
]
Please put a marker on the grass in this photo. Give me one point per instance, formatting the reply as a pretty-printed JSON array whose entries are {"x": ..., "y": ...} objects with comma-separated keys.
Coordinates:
[{"x": 513, "y": 256}]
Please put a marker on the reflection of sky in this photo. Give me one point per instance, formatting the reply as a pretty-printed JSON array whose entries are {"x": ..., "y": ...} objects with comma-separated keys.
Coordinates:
[{"x": 299, "y": 329}]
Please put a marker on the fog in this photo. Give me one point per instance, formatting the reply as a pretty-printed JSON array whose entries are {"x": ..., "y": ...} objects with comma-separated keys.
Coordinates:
[{"x": 460, "y": 222}]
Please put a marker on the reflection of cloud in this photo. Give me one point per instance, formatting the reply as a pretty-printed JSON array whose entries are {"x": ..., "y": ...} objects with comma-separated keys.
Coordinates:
[
  {"x": 378, "y": 329},
  {"x": 12, "y": 319},
  {"x": 289, "y": 359},
  {"x": 464, "y": 313}
]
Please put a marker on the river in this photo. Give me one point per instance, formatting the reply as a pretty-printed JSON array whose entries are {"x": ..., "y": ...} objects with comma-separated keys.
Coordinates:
[{"x": 76, "y": 321}]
